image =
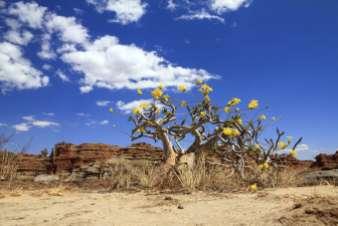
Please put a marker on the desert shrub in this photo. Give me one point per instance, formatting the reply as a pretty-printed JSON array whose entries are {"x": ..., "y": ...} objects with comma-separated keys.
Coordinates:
[{"x": 120, "y": 172}]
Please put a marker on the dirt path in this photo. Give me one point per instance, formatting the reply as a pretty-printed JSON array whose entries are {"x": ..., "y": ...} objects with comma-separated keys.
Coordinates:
[{"x": 78, "y": 208}]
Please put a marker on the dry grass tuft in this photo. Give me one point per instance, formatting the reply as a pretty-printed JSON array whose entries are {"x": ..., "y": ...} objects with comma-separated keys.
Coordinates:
[{"x": 8, "y": 166}]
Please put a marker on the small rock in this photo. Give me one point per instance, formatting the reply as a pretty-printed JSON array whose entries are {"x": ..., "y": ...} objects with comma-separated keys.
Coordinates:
[
  {"x": 168, "y": 198},
  {"x": 180, "y": 207}
]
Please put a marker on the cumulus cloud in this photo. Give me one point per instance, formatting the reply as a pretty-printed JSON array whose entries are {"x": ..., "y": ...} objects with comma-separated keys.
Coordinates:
[
  {"x": 106, "y": 63},
  {"x": 103, "y": 103},
  {"x": 16, "y": 71},
  {"x": 205, "y": 10},
  {"x": 201, "y": 15},
  {"x": 221, "y": 6},
  {"x": 127, "y": 107},
  {"x": 126, "y": 11},
  {"x": 29, "y": 13},
  {"x": 103, "y": 62},
  {"x": 67, "y": 28},
  {"x": 17, "y": 37},
  {"x": 31, "y": 122},
  {"x": 22, "y": 127}
]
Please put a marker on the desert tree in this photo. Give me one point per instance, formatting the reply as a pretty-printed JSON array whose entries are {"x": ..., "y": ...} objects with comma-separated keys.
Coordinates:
[{"x": 237, "y": 137}]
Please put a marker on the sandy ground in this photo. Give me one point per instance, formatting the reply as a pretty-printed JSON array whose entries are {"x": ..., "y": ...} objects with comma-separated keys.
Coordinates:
[{"x": 62, "y": 207}]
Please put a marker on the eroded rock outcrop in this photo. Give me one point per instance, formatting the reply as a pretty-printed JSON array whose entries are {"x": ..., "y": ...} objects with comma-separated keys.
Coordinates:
[{"x": 326, "y": 161}]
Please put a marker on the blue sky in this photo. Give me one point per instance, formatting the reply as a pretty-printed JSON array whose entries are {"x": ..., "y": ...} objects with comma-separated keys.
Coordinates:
[{"x": 59, "y": 58}]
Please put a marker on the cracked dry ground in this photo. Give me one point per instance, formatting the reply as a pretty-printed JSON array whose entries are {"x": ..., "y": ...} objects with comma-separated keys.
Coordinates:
[{"x": 284, "y": 206}]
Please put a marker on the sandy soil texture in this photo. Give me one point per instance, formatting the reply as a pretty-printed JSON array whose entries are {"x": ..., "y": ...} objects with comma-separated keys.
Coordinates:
[{"x": 62, "y": 207}]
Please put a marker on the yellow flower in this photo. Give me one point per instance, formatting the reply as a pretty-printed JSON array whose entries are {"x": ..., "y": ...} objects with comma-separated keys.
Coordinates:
[
  {"x": 262, "y": 117},
  {"x": 184, "y": 103},
  {"x": 205, "y": 89},
  {"x": 227, "y": 109},
  {"x": 111, "y": 110},
  {"x": 137, "y": 110},
  {"x": 282, "y": 145},
  {"x": 239, "y": 120},
  {"x": 182, "y": 88},
  {"x": 253, "y": 104},
  {"x": 234, "y": 102},
  {"x": 139, "y": 91},
  {"x": 203, "y": 114},
  {"x": 230, "y": 132},
  {"x": 253, "y": 187},
  {"x": 264, "y": 166},
  {"x": 293, "y": 153},
  {"x": 157, "y": 93}
]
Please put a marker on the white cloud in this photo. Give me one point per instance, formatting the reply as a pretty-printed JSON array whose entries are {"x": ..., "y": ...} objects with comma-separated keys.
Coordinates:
[
  {"x": 46, "y": 67},
  {"x": 127, "y": 107},
  {"x": 30, "y": 13},
  {"x": 106, "y": 63},
  {"x": 205, "y": 10},
  {"x": 67, "y": 28},
  {"x": 62, "y": 76},
  {"x": 221, "y": 6},
  {"x": 28, "y": 118},
  {"x": 171, "y": 5},
  {"x": 17, "y": 37},
  {"x": 103, "y": 103},
  {"x": 22, "y": 127},
  {"x": 82, "y": 114},
  {"x": 126, "y": 11},
  {"x": 3, "y": 124},
  {"x": 104, "y": 122},
  {"x": 31, "y": 122},
  {"x": 46, "y": 52},
  {"x": 17, "y": 72},
  {"x": 44, "y": 123},
  {"x": 201, "y": 15}
]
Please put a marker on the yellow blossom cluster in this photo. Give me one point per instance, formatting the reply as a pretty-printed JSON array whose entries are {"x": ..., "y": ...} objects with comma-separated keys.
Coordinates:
[
  {"x": 293, "y": 153},
  {"x": 157, "y": 93},
  {"x": 203, "y": 114},
  {"x": 282, "y": 145},
  {"x": 253, "y": 104},
  {"x": 231, "y": 132},
  {"x": 233, "y": 102},
  {"x": 205, "y": 89},
  {"x": 182, "y": 88}
]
